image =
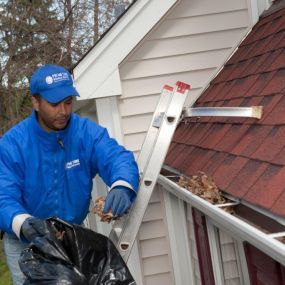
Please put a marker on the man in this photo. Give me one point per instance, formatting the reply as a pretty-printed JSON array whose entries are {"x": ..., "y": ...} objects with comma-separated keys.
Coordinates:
[{"x": 48, "y": 161}]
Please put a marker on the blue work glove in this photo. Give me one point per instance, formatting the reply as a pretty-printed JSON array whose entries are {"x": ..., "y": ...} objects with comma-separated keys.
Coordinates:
[
  {"x": 33, "y": 227},
  {"x": 119, "y": 199}
]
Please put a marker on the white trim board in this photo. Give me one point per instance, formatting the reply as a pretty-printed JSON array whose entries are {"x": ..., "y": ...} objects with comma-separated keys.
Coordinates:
[
  {"x": 183, "y": 269},
  {"x": 109, "y": 117},
  {"x": 257, "y": 7},
  {"x": 100, "y": 66}
]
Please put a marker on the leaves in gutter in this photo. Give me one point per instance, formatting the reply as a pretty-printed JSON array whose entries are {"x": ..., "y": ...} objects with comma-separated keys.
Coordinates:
[{"x": 204, "y": 187}]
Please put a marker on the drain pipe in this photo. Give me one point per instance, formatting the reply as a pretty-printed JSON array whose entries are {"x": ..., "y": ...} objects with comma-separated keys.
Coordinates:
[{"x": 239, "y": 229}]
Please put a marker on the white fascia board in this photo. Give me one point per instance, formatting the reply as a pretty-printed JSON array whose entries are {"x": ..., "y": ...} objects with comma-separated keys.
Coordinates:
[
  {"x": 100, "y": 65},
  {"x": 239, "y": 229},
  {"x": 110, "y": 87},
  {"x": 257, "y": 7}
]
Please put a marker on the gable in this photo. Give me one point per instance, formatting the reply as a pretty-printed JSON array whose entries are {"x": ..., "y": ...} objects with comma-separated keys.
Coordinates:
[{"x": 97, "y": 75}]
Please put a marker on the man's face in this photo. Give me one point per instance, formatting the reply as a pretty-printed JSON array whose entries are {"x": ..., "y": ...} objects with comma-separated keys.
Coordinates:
[{"x": 53, "y": 117}]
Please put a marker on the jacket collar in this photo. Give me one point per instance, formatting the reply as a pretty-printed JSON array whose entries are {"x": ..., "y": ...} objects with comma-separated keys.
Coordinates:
[{"x": 51, "y": 139}]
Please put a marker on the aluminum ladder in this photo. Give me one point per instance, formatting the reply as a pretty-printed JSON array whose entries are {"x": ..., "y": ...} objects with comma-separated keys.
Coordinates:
[{"x": 150, "y": 160}]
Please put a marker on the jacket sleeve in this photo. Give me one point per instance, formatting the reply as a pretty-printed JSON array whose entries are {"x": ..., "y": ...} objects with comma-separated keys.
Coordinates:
[
  {"x": 11, "y": 181},
  {"x": 115, "y": 164}
]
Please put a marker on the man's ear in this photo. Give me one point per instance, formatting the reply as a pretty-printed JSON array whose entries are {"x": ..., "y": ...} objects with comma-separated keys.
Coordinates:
[{"x": 35, "y": 103}]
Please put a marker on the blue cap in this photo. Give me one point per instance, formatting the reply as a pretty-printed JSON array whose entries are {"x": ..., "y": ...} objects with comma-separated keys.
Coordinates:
[{"x": 54, "y": 83}]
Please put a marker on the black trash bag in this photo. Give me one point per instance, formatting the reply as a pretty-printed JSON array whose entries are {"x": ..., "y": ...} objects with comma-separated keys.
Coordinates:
[{"x": 71, "y": 254}]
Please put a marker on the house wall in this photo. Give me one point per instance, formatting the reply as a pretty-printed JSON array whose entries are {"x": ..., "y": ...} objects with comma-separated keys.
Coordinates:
[
  {"x": 193, "y": 246},
  {"x": 153, "y": 243},
  {"x": 190, "y": 44},
  {"x": 230, "y": 260}
]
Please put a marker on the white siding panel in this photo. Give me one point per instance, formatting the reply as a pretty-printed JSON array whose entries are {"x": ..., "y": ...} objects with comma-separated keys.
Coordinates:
[
  {"x": 202, "y": 24},
  {"x": 137, "y": 124},
  {"x": 134, "y": 142},
  {"x": 153, "y": 212},
  {"x": 225, "y": 238},
  {"x": 202, "y": 7},
  {"x": 174, "y": 64},
  {"x": 229, "y": 259},
  {"x": 159, "y": 279},
  {"x": 233, "y": 282},
  {"x": 153, "y": 229},
  {"x": 157, "y": 264},
  {"x": 228, "y": 252},
  {"x": 155, "y": 197},
  {"x": 154, "y": 84},
  {"x": 154, "y": 247},
  {"x": 188, "y": 44},
  {"x": 138, "y": 105},
  {"x": 231, "y": 270},
  {"x": 154, "y": 244}
]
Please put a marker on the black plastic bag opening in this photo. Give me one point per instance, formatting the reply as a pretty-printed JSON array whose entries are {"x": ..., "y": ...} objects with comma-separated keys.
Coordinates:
[{"x": 72, "y": 254}]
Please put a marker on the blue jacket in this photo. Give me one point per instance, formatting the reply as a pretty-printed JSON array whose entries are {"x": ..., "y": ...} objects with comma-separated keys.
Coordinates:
[{"x": 50, "y": 174}]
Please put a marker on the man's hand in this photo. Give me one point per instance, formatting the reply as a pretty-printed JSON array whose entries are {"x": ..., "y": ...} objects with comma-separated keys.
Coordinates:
[
  {"x": 33, "y": 227},
  {"x": 119, "y": 199}
]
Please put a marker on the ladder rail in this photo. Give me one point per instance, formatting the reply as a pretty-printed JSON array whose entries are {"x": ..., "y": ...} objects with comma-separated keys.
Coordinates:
[
  {"x": 124, "y": 233},
  {"x": 151, "y": 136},
  {"x": 146, "y": 149}
]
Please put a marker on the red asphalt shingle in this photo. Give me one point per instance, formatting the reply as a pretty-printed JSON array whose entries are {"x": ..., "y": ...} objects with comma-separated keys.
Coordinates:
[
  {"x": 247, "y": 177},
  {"x": 229, "y": 170},
  {"x": 268, "y": 188},
  {"x": 271, "y": 145},
  {"x": 245, "y": 156}
]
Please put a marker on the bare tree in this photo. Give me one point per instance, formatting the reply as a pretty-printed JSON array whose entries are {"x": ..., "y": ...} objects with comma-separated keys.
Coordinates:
[{"x": 33, "y": 33}]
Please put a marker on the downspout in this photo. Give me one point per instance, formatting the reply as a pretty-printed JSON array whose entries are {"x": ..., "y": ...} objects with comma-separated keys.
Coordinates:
[{"x": 239, "y": 229}]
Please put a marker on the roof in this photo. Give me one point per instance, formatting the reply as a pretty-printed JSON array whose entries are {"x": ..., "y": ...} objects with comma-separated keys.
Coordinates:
[{"x": 244, "y": 156}]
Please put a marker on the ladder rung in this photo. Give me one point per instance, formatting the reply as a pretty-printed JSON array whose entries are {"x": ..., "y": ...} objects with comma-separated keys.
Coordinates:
[
  {"x": 277, "y": 235},
  {"x": 227, "y": 204}
]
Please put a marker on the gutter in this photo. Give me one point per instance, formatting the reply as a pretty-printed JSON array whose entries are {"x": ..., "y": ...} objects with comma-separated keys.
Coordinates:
[{"x": 239, "y": 229}]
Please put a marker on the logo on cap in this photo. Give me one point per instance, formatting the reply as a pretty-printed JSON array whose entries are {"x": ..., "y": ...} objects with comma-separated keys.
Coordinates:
[
  {"x": 49, "y": 80},
  {"x": 57, "y": 77}
]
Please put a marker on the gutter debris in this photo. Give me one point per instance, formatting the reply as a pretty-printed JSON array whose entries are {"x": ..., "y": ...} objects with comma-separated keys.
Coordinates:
[{"x": 204, "y": 187}]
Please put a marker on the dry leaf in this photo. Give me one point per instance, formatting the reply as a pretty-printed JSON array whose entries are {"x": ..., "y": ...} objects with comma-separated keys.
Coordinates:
[
  {"x": 98, "y": 210},
  {"x": 204, "y": 187}
]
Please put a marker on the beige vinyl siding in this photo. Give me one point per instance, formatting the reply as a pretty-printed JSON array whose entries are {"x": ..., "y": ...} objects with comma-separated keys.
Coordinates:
[
  {"x": 204, "y": 7},
  {"x": 158, "y": 279},
  {"x": 190, "y": 44},
  {"x": 152, "y": 86},
  {"x": 187, "y": 44},
  {"x": 154, "y": 244},
  {"x": 176, "y": 27},
  {"x": 230, "y": 260},
  {"x": 174, "y": 64}
]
